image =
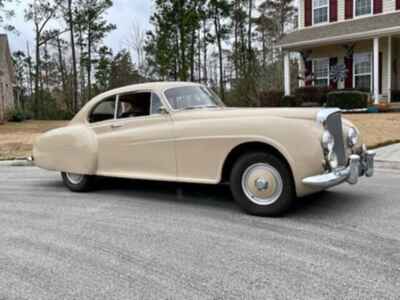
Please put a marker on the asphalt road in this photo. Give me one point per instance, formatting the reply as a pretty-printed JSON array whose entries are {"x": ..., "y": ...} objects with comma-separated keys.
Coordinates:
[{"x": 140, "y": 240}]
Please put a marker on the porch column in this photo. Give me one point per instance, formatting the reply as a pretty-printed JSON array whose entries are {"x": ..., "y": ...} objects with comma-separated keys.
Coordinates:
[
  {"x": 376, "y": 70},
  {"x": 287, "y": 73},
  {"x": 390, "y": 59},
  {"x": 302, "y": 69}
]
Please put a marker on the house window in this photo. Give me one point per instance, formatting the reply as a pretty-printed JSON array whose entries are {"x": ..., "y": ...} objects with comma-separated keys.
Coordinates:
[
  {"x": 363, "y": 71},
  {"x": 362, "y": 7},
  {"x": 320, "y": 11},
  {"x": 321, "y": 72}
]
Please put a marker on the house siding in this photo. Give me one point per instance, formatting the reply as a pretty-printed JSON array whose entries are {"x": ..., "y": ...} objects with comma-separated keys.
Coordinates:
[
  {"x": 389, "y": 5},
  {"x": 341, "y": 10},
  {"x": 301, "y": 14}
]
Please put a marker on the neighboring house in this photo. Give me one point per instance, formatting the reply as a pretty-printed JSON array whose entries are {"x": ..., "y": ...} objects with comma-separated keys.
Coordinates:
[
  {"x": 7, "y": 78},
  {"x": 359, "y": 37}
]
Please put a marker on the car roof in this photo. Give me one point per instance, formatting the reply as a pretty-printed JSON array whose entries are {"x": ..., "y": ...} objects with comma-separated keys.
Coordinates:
[{"x": 157, "y": 86}]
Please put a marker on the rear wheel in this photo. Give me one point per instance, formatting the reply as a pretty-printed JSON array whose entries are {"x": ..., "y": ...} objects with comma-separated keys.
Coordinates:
[
  {"x": 77, "y": 182},
  {"x": 262, "y": 184}
]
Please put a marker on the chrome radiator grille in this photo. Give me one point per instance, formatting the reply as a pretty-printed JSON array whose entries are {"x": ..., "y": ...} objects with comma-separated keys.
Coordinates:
[{"x": 334, "y": 125}]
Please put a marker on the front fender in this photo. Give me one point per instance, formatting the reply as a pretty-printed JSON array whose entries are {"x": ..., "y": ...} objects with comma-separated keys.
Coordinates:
[{"x": 68, "y": 149}]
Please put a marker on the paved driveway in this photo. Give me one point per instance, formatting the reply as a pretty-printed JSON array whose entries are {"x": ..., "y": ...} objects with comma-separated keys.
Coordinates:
[{"x": 135, "y": 240}]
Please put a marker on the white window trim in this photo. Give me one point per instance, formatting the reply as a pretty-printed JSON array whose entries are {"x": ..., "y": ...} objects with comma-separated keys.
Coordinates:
[
  {"x": 365, "y": 15},
  {"x": 363, "y": 74},
  {"x": 329, "y": 70},
  {"x": 328, "y": 14}
]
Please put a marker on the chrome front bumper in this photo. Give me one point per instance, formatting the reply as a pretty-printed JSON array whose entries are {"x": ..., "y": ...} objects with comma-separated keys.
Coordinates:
[{"x": 359, "y": 165}]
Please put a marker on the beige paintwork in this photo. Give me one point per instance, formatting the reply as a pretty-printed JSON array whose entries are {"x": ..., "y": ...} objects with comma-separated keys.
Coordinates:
[{"x": 184, "y": 146}]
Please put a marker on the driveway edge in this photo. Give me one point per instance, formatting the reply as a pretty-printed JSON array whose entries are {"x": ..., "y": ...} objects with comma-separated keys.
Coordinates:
[{"x": 16, "y": 163}]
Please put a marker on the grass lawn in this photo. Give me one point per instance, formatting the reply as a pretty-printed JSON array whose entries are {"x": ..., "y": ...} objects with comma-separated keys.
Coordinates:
[
  {"x": 16, "y": 139},
  {"x": 377, "y": 129}
]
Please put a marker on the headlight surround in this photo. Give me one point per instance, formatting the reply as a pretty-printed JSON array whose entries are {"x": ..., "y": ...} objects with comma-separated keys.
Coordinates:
[
  {"x": 352, "y": 137},
  {"x": 328, "y": 141}
]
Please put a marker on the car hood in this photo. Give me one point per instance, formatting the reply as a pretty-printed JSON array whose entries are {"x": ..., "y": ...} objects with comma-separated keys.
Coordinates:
[{"x": 232, "y": 112}]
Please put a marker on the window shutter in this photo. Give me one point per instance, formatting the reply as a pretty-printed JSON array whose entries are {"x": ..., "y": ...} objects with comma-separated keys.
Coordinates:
[
  {"x": 308, "y": 72},
  {"x": 348, "y": 61},
  {"x": 378, "y": 6},
  {"x": 307, "y": 12},
  {"x": 380, "y": 72},
  {"x": 348, "y": 14},
  {"x": 333, "y": 14},
  {"x": 332, "y": 63}
]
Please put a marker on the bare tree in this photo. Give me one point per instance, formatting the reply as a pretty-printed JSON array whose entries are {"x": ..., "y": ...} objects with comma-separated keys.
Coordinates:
[{"x": 136, "y": 42}]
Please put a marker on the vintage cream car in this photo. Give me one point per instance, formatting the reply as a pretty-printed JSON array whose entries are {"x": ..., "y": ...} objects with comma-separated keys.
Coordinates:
[{"x": 183, "y": 132}]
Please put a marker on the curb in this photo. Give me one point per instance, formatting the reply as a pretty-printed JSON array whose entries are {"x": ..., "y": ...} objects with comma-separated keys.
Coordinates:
[
  {"x": 386, "y": 164},
  {"x": 16, "y": 163}
]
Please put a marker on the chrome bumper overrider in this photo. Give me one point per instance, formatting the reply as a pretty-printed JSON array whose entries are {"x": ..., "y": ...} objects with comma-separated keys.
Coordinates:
[{"x": 359, "y": 165}]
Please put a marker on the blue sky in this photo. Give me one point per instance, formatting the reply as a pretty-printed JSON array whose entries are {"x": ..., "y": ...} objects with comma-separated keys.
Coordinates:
[{"x": 124, "y": 13}]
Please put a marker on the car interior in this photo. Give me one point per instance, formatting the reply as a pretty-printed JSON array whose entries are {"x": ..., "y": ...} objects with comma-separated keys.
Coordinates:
[
  {"x": 134, "y": 105},
  {"x": 129, "y": 105}
]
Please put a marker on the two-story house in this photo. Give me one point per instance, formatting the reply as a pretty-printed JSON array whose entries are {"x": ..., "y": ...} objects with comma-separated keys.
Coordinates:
[
  {"x": 359, "y": 37},
  {"x": 7, "y": 78}
]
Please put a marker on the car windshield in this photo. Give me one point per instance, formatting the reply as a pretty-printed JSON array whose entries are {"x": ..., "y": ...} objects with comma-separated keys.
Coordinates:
[{"x": 192, "y": 97}]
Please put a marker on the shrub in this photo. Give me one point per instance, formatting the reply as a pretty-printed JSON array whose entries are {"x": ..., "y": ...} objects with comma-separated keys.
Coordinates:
[
  {"x": 291, "y": 101},
  {"x": 396, "y": 95},
  {"x": 17, "y": 115},
  {"x": 271, "y": 98},
  {"x": 312, "y": 94},
  {"x": 347, "y": 99}
]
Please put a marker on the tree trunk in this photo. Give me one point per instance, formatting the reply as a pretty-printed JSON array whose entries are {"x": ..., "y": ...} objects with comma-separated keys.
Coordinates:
[
  {"x": 62, "y": 73},
  {"x": 28, "y": 51},
  {"x": 219, "y": 43},
  {"x": 192, "y": 54},
  {"x": 205, "y": 75},
  {"x": 37, "y": 75},
  {"x": 73, "y": 52},
  {"x": 249, "y": 47},
  {"x": 89, "y": 64}
]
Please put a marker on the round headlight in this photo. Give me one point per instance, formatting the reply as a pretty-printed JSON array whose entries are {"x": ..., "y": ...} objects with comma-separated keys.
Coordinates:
[
  {"x": 328, "y": 141},
  {"x": 352, "y": 137}
]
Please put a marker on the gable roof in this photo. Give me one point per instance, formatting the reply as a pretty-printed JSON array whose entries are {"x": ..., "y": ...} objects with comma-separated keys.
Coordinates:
[
  {"x": 5, "y": 52},
  {"x": 343, "y": 31}
]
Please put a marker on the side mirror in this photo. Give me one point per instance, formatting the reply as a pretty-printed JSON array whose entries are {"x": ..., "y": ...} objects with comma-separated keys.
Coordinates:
[{"x": 164, "y": 110}]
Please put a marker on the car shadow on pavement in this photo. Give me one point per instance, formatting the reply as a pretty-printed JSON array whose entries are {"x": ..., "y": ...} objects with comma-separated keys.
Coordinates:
[
  {"x": 187, "y": 193},
  {"x": 327, "y": 203}
]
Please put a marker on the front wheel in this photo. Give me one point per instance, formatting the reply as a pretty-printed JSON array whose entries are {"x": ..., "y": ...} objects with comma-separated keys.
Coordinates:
[
  {"x": 77, "y": 182},
  {"x": 262, "y": 184}
]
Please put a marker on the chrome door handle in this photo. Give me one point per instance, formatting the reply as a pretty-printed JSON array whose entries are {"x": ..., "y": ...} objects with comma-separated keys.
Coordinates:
[{"x": 115, "y": 126}]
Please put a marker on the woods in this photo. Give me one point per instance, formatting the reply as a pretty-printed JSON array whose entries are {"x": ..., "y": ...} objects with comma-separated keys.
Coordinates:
[{"x": 228, "y": 45}]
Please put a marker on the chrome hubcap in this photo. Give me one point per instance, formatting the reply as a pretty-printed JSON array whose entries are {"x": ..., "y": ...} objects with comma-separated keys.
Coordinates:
[
  {"x": 262, "y": 184},
  {"x": 74, "y": 178}
]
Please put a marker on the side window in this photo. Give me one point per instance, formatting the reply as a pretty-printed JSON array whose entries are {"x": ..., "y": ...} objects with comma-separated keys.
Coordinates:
[
  {"x": 155, "y": 104},
  {"x": 103, "y": 111},
  {"x": 134, "y": 105}
]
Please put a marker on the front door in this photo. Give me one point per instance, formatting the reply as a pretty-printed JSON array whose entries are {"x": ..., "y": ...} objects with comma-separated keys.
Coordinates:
[{"x": 138, "y": 142}]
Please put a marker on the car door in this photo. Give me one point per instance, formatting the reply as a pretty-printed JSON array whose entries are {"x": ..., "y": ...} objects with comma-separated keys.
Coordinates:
[{"x": 138, "y": 142}]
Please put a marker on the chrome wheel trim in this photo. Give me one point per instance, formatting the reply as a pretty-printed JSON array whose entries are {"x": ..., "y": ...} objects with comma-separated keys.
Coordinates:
[
  {"x": 262, "y": 184},
  {"x": 74, "y": 178}
]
